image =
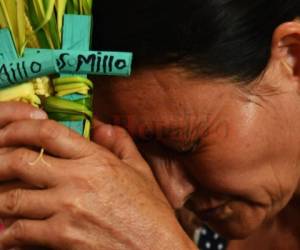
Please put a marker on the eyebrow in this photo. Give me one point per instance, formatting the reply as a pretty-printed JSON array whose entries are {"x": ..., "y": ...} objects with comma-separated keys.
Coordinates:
[
  {"x": 179, "y": 135},
  {"x": 171, "y": 138},
  {"x": 161, "y": 133},
  {"x": 183, "y": 148}
]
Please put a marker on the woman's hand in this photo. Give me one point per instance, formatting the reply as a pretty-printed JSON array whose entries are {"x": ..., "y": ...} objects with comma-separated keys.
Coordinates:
[{"x": 85, "y": 196}]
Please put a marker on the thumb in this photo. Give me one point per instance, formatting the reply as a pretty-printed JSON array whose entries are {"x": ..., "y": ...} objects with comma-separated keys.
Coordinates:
[{"x": 117, "y": 140}]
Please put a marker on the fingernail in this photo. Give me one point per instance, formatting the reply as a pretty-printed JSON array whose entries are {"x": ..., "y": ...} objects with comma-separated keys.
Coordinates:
[{"x": 38, "y": 115}]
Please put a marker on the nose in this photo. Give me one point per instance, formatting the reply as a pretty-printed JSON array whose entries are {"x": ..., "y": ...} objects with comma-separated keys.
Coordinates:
[
  {"x": 174, "y": 182},
  {"x": 178, "y": 190},
  {"x": 170, "y": 174}
]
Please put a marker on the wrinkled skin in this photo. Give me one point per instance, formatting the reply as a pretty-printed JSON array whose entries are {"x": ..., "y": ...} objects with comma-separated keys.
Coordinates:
[
  {"x": 227, "y": 151},
  {"x": 80, "y": 195},
  {"x": 238, "y": 160}
]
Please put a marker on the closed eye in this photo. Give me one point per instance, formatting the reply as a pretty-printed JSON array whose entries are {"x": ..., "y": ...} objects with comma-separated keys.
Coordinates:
[{"x": 189, "y": 148}]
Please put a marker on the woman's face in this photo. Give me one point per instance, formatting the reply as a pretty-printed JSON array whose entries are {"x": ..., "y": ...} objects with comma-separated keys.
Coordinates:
[{"x": 226, "y": 153}]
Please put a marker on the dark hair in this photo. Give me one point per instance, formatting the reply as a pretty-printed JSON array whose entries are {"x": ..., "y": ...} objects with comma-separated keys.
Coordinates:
[{"x": 228, "y": 38}]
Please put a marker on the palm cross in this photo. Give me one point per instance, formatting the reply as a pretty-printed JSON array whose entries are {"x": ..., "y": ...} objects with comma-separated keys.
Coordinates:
[{"x": 73, "y": 63}]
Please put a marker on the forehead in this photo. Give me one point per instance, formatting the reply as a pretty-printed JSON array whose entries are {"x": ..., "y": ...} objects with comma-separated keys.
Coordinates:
[{"x": 165, "y": 99}]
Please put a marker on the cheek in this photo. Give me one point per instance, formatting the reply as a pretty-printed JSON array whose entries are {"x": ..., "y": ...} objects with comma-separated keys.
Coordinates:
[
  {"x": 250, "y": 162},
  {"x": 257, "y": 170},
  {"x": 250, "y": 201}
]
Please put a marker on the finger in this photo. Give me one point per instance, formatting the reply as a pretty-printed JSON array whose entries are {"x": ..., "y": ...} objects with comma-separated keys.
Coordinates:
[
  {"x": 29, "y": 166},
  {"x": 117, "y": 140},
  {"x": 14, "y": 111},
  {"x": 102, "y": 135},
  {"x": 28, "y": 233},
  {"x": 6, "y": 222},
  {"x": 32, "y": 204},
  {"x": 55, "y": 138}
]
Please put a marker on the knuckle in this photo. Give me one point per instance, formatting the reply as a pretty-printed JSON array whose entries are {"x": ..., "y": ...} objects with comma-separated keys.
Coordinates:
[
  {"x": 67, "y": 233},
  {"x": 18, "y": 231},
  {"x": 72, "y": 207},
  {"x": 49, "y": 130},
  {"x": 13, "y": 201},
  {"x": 85, "y": 150},
  {"x": 75, "y": 206},
  {"x": 3, "y": 135},
  {"x": 19, "y": 159},
  {"x": 121, "y": 131}
]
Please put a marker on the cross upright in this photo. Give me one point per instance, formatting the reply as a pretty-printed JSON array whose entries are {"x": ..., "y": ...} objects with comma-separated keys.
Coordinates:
[{"x": 74, "y": 61}]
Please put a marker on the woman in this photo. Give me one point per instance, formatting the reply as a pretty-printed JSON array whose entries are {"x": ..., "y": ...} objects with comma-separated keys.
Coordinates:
[{"x": 213, "y": 107}]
